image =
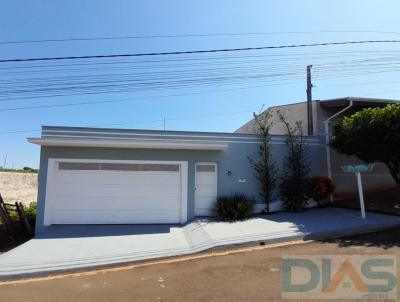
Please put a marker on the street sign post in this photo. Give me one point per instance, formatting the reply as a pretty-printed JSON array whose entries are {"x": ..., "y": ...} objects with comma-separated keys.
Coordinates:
[{"x": 357, "y": 169}]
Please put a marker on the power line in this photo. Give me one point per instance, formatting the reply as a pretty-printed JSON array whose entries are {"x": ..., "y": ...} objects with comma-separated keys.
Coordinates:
[
  {"x": 197, "y": 35},
  {"x": 99, "y": 85},
  {"x": 194, "y": 51},
  {"x": 144, "y": 122},
  {"x": 110, "y": 83},
  {"x": 290, "y": 56},
  {"x": 124, "y": 100},
  {"x": 269, "y": 79},
  {"x": 360, "y": 84}
]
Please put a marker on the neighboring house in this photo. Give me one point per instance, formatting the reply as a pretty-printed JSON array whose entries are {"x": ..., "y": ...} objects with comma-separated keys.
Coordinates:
[
  {"x": 325, "y": 114},
  {"x": 114, "y": 176}
]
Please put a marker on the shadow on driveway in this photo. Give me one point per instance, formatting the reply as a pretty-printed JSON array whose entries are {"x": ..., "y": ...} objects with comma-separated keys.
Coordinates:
[
  {"x": 79, "y": 231},
  {"x": 384, "y": 239}
]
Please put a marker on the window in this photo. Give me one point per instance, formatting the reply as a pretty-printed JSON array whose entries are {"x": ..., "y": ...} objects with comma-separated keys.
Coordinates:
[
  {"x": 78, "y": 166},
  {"x": 118, "y": 167},
  {"x": 205, "y": 168}
]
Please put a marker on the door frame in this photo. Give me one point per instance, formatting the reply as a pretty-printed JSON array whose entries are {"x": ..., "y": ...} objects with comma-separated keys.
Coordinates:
[
  {"x": 52, "y": 168},
  {"x": 215, "y": 163}
]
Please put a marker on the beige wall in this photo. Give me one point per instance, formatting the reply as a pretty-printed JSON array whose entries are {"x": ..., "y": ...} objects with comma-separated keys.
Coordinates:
[{"x": 292, "y": 112}]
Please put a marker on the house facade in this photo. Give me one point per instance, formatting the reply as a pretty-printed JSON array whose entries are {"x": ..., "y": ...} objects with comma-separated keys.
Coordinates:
[
  {"x": 119, "y": 176},
  {"x": 123, "y": 176}
]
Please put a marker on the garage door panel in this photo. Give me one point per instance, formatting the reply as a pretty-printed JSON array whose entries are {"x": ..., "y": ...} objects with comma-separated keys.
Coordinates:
[
  {"x": 105, "y": 203},
  {"x": 127, "y": 178},
  {"x": 114, "y": 190},
  {"x": 101, "y": 217},
  {"x": 78, "y": 194}
]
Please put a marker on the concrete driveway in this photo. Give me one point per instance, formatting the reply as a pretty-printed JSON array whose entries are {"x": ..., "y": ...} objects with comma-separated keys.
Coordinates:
[
  {"x": 235, "y": 275},
  {"x": 72, "y": 247}
]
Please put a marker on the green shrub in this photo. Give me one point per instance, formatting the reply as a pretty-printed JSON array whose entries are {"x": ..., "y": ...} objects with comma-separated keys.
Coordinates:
[
  {"x": 294, "y": 193},
  {"x": 29, "y": 169},
  {"x": 13, "y": 214},
  {"x": 30, "y": 212},
  {"x": 320, "y": 188},
  {"x": 373, "y": 135},
  {"x": 234, "y": 207}
]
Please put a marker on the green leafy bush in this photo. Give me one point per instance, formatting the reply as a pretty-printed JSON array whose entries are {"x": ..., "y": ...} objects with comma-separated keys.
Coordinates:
[
  {"x": 30, "y": 212},
  {"x": 29, "y": 169},
  {"x": 294, "y": 193},
  {"x": 234, "y": 207},
  {"x": 320, "y": 188},
  {"x": 373, "y": 135},
  {"x": 11, "y": 212}
]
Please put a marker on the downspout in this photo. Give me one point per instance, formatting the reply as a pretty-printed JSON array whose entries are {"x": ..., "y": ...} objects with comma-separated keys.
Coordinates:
[{"x": 327, "y": 140}]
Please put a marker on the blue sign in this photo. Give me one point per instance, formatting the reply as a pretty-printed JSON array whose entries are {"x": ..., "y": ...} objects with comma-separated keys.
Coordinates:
[{"x": 357, "y": 168}]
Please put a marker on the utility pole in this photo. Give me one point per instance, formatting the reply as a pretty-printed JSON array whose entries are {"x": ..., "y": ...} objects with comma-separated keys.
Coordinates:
[{"x": 310, "y": 126}]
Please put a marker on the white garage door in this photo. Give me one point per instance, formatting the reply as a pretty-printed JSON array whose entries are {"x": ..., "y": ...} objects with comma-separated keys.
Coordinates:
[{"x": 115, "y": 192}]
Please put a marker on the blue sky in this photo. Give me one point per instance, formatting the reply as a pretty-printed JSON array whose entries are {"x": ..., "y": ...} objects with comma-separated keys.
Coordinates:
[{"x": 41, "y": 20}]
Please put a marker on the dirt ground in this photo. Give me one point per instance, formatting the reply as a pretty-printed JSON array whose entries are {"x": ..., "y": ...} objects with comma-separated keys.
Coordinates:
[
  {"x": 21, "y": 187},
  {"x": 244, "y": 276}
]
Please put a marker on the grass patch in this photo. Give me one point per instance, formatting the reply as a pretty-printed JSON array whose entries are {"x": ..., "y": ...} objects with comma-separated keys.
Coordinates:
[{"x": 23, "y": 170}]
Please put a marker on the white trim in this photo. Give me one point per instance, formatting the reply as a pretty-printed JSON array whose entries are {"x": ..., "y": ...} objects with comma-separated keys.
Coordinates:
[
  {"x": 148, "y": 139},
  {"x": 166, "y": 137},
  {"x": 48, "y": 206},
  {"x": 152, "y": 134},
  {"x": 120, "y": 143},
  {"x": 52, "y": 168},
  {"x": 146, "y": 144},
  {"x": 184, "y": 190}
]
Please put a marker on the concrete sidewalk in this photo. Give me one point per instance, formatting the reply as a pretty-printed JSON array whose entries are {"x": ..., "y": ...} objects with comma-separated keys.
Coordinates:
[{"x": 72, "y": 247}]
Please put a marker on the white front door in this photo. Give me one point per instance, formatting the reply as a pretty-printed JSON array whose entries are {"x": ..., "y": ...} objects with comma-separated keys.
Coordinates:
[{"x": 206, "y": 181}]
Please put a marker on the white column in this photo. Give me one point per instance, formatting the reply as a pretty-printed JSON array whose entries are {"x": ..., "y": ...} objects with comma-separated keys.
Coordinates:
[
  {"x": 360, "y": 194},
  {"x": 328, "y": 149},
  {"x": 328, "y": 154}
]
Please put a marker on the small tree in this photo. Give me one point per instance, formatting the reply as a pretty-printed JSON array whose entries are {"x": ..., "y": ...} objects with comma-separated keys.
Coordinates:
[
  {"x": 373, "y": 135},
  {"x": 265, "y": 170},
  {"x": 294, "y": 185}
]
